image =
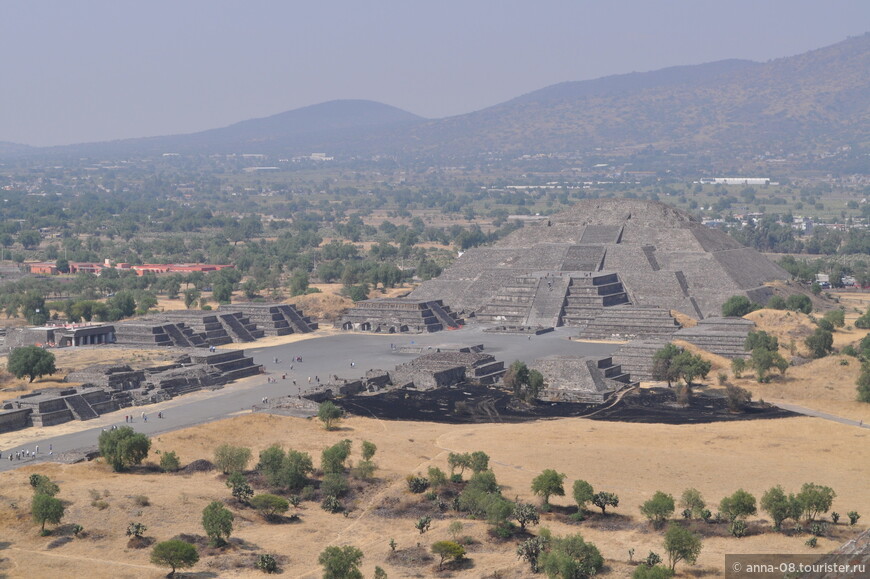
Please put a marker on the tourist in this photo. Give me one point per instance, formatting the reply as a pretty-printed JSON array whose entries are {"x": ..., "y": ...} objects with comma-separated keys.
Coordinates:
[
  {"x": 37, "y": 450},
  {"x": 50, "y": 446},
  {"x": 283, "y": 376}
]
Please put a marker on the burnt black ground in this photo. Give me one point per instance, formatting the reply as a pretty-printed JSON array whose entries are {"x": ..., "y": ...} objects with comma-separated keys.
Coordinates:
[{"x": 477, "y": 404}]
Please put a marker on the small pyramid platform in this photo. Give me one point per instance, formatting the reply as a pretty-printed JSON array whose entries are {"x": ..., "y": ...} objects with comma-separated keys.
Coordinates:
[{"x": 399, "y": 315}]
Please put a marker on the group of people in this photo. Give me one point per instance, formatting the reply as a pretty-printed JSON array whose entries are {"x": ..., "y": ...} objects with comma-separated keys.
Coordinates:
[
  {"x": 27, "y": 453},
  {"x": 128, "y": 418}
]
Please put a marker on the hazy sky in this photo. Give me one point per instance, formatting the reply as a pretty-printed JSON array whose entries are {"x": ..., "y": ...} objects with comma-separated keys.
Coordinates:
[{"x": 89, "y": 70}]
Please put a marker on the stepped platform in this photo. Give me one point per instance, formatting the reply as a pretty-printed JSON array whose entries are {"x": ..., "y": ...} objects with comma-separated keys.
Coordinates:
[
  {"x": 110, "y": 387},
  {"x": 399, "y": 315},
  {"x": 203, "y": 322},
  {"x": 444, "y": 369},
  {"x": 629, "y": 323},
  {"x": 664, "y": 257},
  {"x": 274, "y": 319},
  {"x": 572, "y": 379},
  {"x": 553, "y": 298},
  {"x": 636, "y": 357},
  {"x": 721, "y": 336}
]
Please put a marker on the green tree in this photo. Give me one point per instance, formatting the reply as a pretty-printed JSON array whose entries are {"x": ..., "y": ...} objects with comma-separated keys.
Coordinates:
[
  {"x": 191, "y": 297},
  {"x": 571, "y": 558},
  {"x": 479, "y": 461},
  {"x": 524, "y": 383},
  {"x": 448, "y": 550},
  {"x": 174, "y": 554},
  {"x": 681, "y": 545},
  {"x": 29, "y": 239},
  {"x": 41, "y": 484},
  {"x": 239, "y": 487},
  {"x": 329, "y": 414},
  {"x": 222, "y": 291},
  {"x": 761, "y": 339},
  {"x": 692, "y": 501},
  {"x": 658, "y": 509},
  {"x": 368, "y": 450},
  {"x": 738, "y": 306},
  {"x": 863, "y": 383},
  {"x": 548, "y": 483},
  {"x": 461, "y": 461},
  {"x": 33, "y": 307},
  {"x": 815, "y": 499},
  {"x": 270, "y": 505},
  {"x": 837, "y": 318},
  {"x": 525, "y": 514},
  {"x": 298, "y": 282},
  {"x": 777, "y": 504},
  {"x": 295, "y": 470},
  {"x": 799, "y": 303},
  {"x": 30, "y": 361},
  {"x": 218, "y": 523},
  {"x": 332, "y": 459},
  {"x": 123, "y": 447},
  {"x": 820, "y": 343},
  {"x": 169, "y": 461},
  {"x": 739, "y": 505},
  {"x": 341, "y": 562},
  {"x": 46, "y": 509},
  {"x": 230, "y": 459},
  {"x": 583, "y": 494},
  {"x": 602, "y": 500}
]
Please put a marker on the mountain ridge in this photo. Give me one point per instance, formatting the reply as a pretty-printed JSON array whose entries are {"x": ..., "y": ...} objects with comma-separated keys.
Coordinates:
[{"x": 797, "y": 105}]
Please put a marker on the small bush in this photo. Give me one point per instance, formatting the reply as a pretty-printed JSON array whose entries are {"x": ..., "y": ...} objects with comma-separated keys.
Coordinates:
[
  {"x": 331, "y": 505},
  {"x": 100, "y": 505},
  {"x": 423, "y": 524},
  {"x": 417, "y": 484},
  {"x": 835, "y": 516},
  {"x": 169, "y": 462},
  {"x": 266, "y": 563},
  {"x": 812, "y": 542},
  {"x": 652, "y": 559},
  {"x": 141, "y": 500},
  {"x": 853, "y": 517},
  {"x": 136, "y": 529},
  {"x": 308, "y": 493},
  {"x": 738, "y": 528}
]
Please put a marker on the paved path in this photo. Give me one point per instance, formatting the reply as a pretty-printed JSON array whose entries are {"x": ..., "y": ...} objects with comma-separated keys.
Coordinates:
[
  {"x": 818, "y": 414},
  {"x": 322, "y": 357}
]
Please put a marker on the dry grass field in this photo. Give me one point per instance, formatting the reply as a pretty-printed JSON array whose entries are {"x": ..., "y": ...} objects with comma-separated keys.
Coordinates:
[{"x": 632, "y": 460}]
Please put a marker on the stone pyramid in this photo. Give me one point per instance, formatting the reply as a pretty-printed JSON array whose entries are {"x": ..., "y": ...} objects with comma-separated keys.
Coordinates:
[{"x": 662, "y": 257}]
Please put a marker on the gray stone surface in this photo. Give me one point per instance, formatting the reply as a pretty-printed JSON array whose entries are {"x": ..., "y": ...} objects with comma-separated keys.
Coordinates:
[{"x": 662, "y": 256}]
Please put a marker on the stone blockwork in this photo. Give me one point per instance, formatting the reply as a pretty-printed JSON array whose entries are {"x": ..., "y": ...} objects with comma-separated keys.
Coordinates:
[
  {"x": 662, "y": 256},
  {"x": 721, "y": 336},
  {"x": 399, "y": 315},
  {"x": 636, "y": 357},
  {"x": 630, "y": 323},
  {"x": 109, "y": 387},
  {"x": 274, "y": 319},
  {"x": 441, "y": 369},
  {"x": 572, "y": 379}
]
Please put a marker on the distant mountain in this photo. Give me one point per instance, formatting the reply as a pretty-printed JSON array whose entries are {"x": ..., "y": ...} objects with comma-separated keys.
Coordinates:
[
  {"x": 298, "y": 131},
  {"x": 802, "y": 104},
  {"x": 7, "y": 148},
  {"x": 733, "y": 109}
]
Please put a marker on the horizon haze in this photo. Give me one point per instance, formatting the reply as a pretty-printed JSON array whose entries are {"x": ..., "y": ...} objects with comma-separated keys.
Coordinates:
[{"x": 99, "y": 70}]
